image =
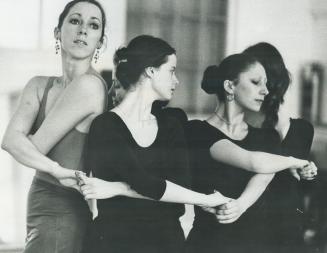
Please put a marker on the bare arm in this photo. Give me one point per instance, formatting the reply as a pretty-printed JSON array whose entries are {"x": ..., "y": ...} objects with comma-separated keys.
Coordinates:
[
  {"x": 15, "y": 140},
  {"x": 31, "y": 151},
  {"x": 259, "y": 162},
  {"x": 254, "y": 189},
  {"x": 95, "y": 188},
  {"x": 83, "y": 98},
  {"x": 110, "y": 151},
  {"x": 232, "y": 211}
]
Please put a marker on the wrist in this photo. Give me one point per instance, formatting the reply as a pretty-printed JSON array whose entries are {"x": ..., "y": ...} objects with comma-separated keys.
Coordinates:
[
  {"x": 243, "y": 204},
  {"x": 53, "y": 168},
  {"x": 203, "y": 200},
  {"x": 121, "y": 189}
]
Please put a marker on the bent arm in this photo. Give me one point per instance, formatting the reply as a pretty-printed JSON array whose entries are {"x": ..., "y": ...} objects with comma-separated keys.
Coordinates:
[
  {"x": 259, "y": 162},
  {"x": 16, "y": 141},
  {"x": 83, "y": 98},
  {"x": 254, "y": 189}
]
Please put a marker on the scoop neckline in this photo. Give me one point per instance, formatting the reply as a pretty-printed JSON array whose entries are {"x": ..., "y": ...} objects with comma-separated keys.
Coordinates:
[
  {"x": 131, "y": 135},
  {"x": 235, "y": 140}
]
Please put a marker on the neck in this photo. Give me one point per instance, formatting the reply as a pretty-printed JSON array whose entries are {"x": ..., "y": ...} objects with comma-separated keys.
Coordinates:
[
  {"x": 72, "y": 68},
  {"x": 229, "y": 115},
  {"x": 137, "y": 104},
  {"x": 254, "y": 118},
  {"x": 230, "y": 120}
]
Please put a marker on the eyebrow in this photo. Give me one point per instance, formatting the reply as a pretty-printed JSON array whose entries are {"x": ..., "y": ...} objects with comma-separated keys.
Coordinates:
[{"x": 78, "y": 14}]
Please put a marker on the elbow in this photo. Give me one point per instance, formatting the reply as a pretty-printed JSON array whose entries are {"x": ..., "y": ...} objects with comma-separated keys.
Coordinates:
[
  {"x": 254, "y": 164},
  {"x": 9, "y": 145},
  {"x": 5, "y": 144}
]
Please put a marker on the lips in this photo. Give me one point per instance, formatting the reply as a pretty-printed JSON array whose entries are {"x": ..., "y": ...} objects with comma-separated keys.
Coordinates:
[
  {"x": 259, "y": 100},
  {"x": 80, "y": 42}
]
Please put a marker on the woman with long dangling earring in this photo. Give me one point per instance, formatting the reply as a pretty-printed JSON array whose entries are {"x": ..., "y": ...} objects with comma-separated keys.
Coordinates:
[
  {"x": 49, "y": 129},
  {"x": 230, "y": 156}
]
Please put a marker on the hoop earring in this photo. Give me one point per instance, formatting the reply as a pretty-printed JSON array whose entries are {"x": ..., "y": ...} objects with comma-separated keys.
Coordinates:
[
  {"x": 57, "y": 46},
  {"x": 230, "y": 97},
  {"x": 96, "y": 55}
]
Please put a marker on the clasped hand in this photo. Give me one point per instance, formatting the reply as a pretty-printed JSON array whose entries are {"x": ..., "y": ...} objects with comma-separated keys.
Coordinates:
[
  {"x": 228, "y": 212},
  {"x": 95, "y": 188},
  {"x": 308, "y": 172}
]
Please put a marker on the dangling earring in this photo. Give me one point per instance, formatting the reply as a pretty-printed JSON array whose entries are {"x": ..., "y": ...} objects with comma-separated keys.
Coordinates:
[
  {"x": 230, "y": 97},
  {"x": 96, "y": 55},
  {"x": 57, "y": 46}
]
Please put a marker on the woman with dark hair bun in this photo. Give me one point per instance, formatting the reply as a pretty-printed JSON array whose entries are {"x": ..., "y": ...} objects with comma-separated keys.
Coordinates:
[
  {"x": 230, "y": 156},
  {"x": 147, "y": 152},
  {"x": 296, "y": 135}
]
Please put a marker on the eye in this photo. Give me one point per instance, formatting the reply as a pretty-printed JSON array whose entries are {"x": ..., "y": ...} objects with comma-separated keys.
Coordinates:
[
  {"x": 74, "y": 21},
  {"x": 255, "y": 82},
  {"x": 94, "y": 26}
]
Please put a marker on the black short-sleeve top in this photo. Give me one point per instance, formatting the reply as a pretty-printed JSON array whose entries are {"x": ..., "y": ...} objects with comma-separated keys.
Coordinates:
[
  {"x": 114, "y": 155},
  {"x": 209, "y": 175}
]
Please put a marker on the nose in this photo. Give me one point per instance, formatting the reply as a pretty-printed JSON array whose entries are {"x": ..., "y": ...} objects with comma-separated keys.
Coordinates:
[
  {"x": 264, "y": 90},
  {"x": 176, "y": 81},
  {"x": 82, "y": 29}
]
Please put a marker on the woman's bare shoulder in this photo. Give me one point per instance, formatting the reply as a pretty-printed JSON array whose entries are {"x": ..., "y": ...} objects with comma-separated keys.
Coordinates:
[{"x": 36, "y": 85}]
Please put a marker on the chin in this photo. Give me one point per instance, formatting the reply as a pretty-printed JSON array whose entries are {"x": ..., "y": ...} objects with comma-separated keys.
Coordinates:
[
  {"x": 81, "y": 53},
  {"x": 256, "y": 109}
]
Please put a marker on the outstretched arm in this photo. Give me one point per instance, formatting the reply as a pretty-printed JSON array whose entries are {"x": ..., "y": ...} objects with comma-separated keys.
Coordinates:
[
  {"x": 110, "y": 154},
  {"x": 259, "y": 162},
  {"x": 95, "y": 188}
]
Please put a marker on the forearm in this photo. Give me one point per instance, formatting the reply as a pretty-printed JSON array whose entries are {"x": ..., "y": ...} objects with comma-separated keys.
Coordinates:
[
  {"x": 125, "y": 190},
  {"x": 24, "y": 151},
  {"x": 254, "y": 189},
  {"x": 267, "y": 163},
  {"x": 173, "y": 193},
  {"x": 178, "y": 194}
]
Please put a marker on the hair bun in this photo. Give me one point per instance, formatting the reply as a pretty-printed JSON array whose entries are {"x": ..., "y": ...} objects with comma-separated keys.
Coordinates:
[
  {"x": 121, "y": 55},
  {"x": 210, "y": 79}
]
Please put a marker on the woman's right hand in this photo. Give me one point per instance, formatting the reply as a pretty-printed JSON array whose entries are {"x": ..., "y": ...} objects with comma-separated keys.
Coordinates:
[
  {"x": 65, "y": 176},
  {"x": 95, "y": 188}
]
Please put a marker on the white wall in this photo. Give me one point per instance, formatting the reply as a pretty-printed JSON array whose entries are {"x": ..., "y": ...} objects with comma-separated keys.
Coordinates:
[{"x": 286, "y": 24}]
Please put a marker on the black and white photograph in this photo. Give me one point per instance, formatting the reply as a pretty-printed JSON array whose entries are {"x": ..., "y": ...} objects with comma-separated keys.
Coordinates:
[{"x": 163, "y": 126}]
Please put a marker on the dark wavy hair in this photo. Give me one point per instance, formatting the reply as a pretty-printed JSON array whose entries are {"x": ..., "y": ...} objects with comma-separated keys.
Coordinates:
[
  {"x": 278, "y": 79},
  {"x": 143, "y": 51},
  {"x": 69, "y": 5},
  {"x": 229, "y": 69}
]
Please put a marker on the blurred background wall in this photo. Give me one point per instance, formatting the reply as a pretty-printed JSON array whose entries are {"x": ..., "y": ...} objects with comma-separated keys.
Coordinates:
[{"x": 202, "y": 31}]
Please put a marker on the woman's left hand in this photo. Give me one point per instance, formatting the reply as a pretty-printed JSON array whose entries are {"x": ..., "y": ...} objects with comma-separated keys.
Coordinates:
[
  {"x": 95, "y": 188},
  {"x": 227, "y": 213},
  {"x": 230, "y": 212}
]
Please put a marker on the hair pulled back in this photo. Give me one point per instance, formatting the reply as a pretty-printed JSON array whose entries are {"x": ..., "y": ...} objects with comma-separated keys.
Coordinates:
[
  {"x": 229, "y": 69},
  {"x": 141, "y": 52},
  {"x": 68, "y": 7},
  {"x": 278, "y": 79}
]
